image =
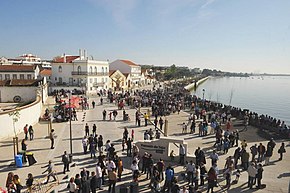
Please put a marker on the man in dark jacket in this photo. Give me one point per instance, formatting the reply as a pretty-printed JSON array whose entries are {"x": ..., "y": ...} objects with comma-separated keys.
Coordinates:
[
  {"x": 259, "y": 175},
  {"x": 65, "y": 161},
  {"x": 93, "y": 182}
]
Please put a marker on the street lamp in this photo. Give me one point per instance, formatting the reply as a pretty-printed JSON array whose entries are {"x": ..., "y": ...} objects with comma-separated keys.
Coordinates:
[{"x": 70, "y": 131}]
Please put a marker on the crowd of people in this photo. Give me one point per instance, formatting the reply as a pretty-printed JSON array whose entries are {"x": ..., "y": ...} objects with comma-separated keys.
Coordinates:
[{"x": 207, "y": 118}]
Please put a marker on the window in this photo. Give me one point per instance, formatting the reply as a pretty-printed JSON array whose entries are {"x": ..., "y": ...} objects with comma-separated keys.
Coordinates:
[
  {"x": 14, "y": 76},
  {"x": 60, "y": 79},
  {"x": 96, "y": 69},
  {"x": 7, "y": 76},
  {"x": 0, "y": 76},
  {"x": 29, "y": 76},
  {"x": 91, "y": 70},
  {"x": 79, "y": 69},
  {"x": 59, "y": 69},
  {"x": 21, "y": 76},
  {"x": 91, "y": 80}
]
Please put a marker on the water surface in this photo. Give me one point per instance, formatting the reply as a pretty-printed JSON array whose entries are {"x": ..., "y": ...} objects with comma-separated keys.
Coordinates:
[{"x": 269, "y": 95}]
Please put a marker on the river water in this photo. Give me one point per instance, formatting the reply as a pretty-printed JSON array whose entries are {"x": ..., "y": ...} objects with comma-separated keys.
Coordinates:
[{"x": 268, "y": 95}]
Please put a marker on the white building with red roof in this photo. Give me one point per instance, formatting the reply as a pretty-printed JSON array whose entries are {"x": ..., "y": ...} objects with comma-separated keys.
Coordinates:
[
  {"x": 21, "y": 72},
  {"x": 79, "y": 71},
  {"x": 128, "y": 67}
]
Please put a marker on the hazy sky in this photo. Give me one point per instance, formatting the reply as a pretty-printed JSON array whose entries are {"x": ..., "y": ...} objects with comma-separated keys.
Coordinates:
[{"x": 230, "y": 35}]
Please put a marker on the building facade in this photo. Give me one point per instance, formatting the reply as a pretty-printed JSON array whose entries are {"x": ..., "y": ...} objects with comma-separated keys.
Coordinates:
[
  {"x": 79, "y": 71},
  {"x": 21, "y": 72},
  {"x": 128, "y": 67}
]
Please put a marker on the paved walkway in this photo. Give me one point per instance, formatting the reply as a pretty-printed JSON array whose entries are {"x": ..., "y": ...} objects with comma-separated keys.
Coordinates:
[{"x": 276, "y": 175}]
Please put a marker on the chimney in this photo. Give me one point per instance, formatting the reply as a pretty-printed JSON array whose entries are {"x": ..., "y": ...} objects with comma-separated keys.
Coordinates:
[
  {"x": 64, "y": 58},
  {"x": 80, "y": 53},
  {"x": 85, "y": 54}
]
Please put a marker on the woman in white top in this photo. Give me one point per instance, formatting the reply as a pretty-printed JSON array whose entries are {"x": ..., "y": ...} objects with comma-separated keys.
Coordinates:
[
  {"x": 72, "y": 185},
  {"x": 135, "y": 170}
]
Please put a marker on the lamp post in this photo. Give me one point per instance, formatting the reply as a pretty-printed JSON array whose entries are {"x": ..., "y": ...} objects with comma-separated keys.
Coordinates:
[
  {"x": 203, "y": 91},
  {"x": 70, "y": 131}
]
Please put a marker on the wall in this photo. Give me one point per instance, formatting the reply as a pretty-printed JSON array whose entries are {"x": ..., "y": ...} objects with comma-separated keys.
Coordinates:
[
  {"x": 26, "y": 93},
  {"x": 26, "y": 117}
]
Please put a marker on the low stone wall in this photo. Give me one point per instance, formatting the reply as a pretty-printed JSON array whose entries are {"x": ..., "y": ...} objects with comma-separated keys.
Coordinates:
[{"x": 29, "y": 114}]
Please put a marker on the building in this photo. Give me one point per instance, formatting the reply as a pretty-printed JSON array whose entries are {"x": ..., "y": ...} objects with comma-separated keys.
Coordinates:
[
  {"x": 80, "y": 72},
  {"x": 12, "y": 72},
  {"x": 25, "y": 59},
  {"x": 128, "y": 67},
  {"x": 118, "y": 81}
]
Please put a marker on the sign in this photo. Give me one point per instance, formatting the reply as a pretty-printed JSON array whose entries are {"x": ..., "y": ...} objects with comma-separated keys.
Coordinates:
[{"x": 157, "y": 148}]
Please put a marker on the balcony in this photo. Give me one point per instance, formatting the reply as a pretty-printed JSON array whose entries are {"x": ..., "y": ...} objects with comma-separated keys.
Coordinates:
[
  {"x": 85, "y": 73},
  {"x": 97, "y": 84}
]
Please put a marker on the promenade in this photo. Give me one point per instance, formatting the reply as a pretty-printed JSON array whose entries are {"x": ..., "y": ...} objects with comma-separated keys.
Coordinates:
[{"x": 276, "y": 176}]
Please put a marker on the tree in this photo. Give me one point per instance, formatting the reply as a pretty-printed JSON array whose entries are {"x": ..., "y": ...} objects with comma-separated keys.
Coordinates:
[{"x": 15, "y": 115}]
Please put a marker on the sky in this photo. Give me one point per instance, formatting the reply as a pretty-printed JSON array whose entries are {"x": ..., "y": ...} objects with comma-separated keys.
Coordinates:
[{"x": 235, "y": 35}]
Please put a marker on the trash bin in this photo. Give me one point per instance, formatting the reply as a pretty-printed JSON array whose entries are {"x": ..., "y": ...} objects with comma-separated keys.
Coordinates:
[
  {"x": 21, "y": 152},
  {"x": 30, "y": 158},
  {"x": 134, "y": 187},
  {"x": 124, "y": 188},
  {"x": 18, "y": 161}
]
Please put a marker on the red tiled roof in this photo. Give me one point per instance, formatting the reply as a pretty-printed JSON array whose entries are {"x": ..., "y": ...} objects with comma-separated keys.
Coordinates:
[
  {"x": 17, "y": 68},
  {"x": 46, "y": 72},
  {"x": 69, "y": 59},
  {"x": 129, "y": 63},
  {"x": 19, "y": 82}
]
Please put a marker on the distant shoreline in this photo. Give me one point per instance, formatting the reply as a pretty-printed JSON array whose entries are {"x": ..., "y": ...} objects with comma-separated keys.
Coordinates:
[{"x": 269, "y": 75}]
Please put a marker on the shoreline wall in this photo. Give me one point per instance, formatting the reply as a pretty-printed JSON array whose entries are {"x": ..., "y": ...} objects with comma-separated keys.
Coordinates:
[
  {"x": 29, "y": 114},
  {"x": 191, "y": 86}
]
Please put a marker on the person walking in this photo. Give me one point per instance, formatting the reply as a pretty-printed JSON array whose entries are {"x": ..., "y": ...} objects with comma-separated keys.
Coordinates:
[
  {"x": 259, "y": 175},
  {"x": 31, "y": 132},
  {"x": 52, "y": 137},
  {"x": 161, "y": 123},
  {"x": 146, "y": 118},
  {"x": 99, "y": 176},
  {"x": 112, "y": 175},
  {"x": 252, "y": 172},
  {"x": 72, "y": 186},
  {"x": 87, "y": 130},
  {"x": 94, "y": 130},
  {"x": 254, "y": 151},
  {"x": 29, "y": 183},
  {"x": 281, "y": 150},
  {"x": 49, "y": 170},
  {"x": 181, "y": 154},
  {"x": 212, "y": 179},
  {"x": 25, "y": 129},
  {"x": 104, "y": 114},
  {"x": 65, "y": 161},
  {"x": 85, "y": 142},
  {"x": 93, "y": 182},
  {"x": 261, "y": 152}
]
